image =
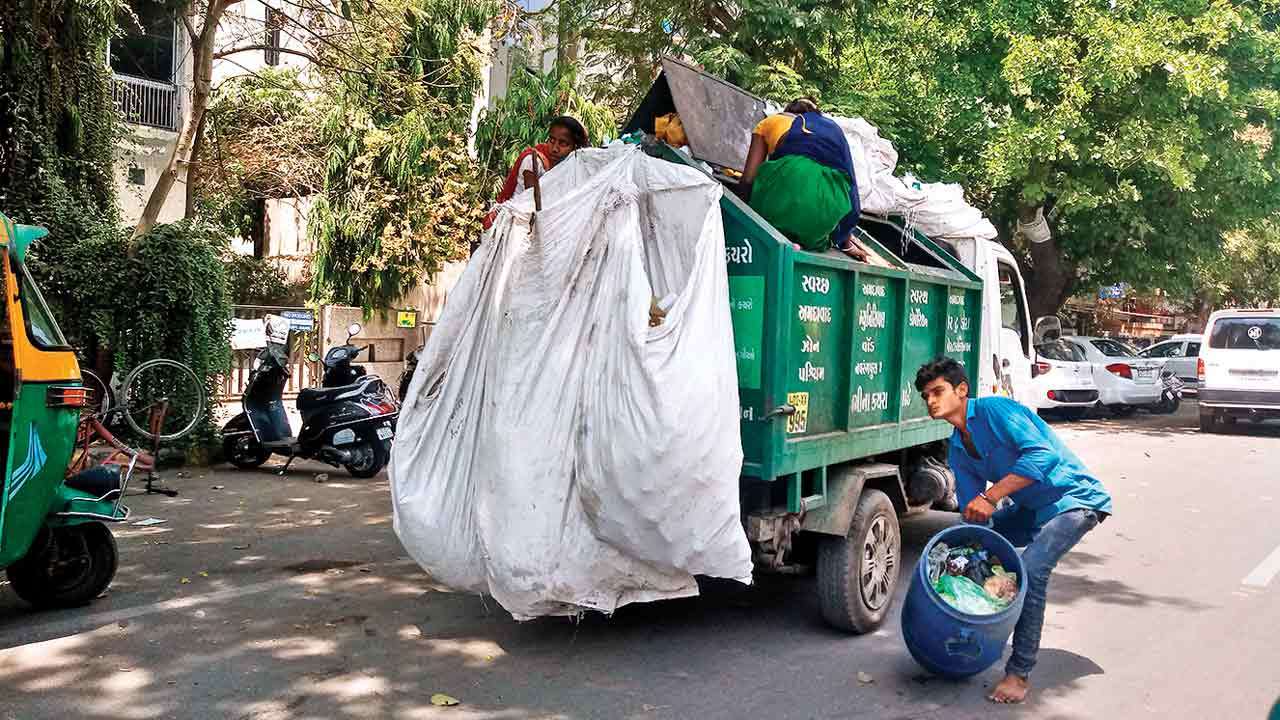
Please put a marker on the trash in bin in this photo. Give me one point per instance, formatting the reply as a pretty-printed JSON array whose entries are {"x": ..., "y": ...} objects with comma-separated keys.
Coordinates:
[{"x": 986, "y": 588}]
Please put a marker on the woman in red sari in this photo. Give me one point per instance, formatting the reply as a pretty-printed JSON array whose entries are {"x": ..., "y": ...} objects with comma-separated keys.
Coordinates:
[{"x": 564, "y": 135}]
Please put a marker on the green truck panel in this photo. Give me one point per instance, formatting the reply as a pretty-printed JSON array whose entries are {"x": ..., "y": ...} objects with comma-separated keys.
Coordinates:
[{"x": 840, "y": 342}]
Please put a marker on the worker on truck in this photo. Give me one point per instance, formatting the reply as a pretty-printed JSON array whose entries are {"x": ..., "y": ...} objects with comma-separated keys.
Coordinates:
[
  {"x": 800, "y": 177},
  {"x": 564, "y": 136},
  {"x": 1002, "y": 449}
]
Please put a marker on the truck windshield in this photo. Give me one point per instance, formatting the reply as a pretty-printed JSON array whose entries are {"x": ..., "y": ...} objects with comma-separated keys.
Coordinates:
[{"x": 1246, "y": 334}]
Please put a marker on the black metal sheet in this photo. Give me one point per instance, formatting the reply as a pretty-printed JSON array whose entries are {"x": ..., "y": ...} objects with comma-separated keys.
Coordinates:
[{"x": 718, "y": 116}]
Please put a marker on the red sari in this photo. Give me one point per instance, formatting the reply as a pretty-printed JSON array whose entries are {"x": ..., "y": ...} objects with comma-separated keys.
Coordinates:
[{"x": 513, "y": 177}]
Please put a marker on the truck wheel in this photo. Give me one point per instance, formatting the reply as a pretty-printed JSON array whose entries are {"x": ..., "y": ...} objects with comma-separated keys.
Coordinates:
[
  {"x": 1208, "y": 423},
  {"x": 73, "y": 569},
  {"x": 857, "y": 574}
]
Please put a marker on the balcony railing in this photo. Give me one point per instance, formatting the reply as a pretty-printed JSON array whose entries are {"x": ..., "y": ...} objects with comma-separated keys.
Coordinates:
[{"x": 147, "y": 102}]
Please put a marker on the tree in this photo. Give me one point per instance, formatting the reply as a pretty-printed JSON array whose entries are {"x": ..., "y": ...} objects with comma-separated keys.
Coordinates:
[
  {"x": 401, "y": 195},
  {"x": 1141, "y": 130},
  {"x": 1245, "y": 272}
]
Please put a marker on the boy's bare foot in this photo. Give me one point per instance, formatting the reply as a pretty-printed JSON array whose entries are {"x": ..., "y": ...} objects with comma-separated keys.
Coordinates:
[{"x": 1012, "y": 689}]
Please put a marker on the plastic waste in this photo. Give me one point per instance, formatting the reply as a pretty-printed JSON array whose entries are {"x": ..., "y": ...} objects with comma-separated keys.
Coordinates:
[{"x": 967, "y": 596}]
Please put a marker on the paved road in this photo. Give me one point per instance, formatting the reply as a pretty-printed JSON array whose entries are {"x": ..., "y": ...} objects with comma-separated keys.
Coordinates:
[{"x": 274, "y": 598}]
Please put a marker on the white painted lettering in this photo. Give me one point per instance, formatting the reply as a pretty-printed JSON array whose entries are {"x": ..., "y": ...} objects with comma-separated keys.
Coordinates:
[
  {"x": 918, "y": 319},
  {"x": 815, "y": 284},
  {"x": 810, "y": 345},
  {"x": 873, "y": 290},
  {"x": 869, "y": 345},
  {"x": 738, "y": 254},
  {"x": 868, "y": 369},
  {"x": 920, "y": 297},
  {"x": 814, "y": 313},
  {"x": 871, "y": 316},
  {"x": 812, "y": 373},
  {"x": 864, "y": 402}
]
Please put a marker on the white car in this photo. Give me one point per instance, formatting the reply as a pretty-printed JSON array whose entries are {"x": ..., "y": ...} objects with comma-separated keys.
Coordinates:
[
  {"x": 1062, "y": 380},
  {"x": 1240, "y": 367},
  {"x": 1180, "y": 354},
  {"x": 1125, "y": 381}
]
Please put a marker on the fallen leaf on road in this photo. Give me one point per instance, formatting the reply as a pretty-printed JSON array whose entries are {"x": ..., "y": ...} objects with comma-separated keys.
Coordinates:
[
  {"x": 240, "y": 547},
  {"x": 204, "y": 573},
  {"x": 217, "y": 487},
  {"x": 184, "y": 581},
  {"x": 865, "y": 678},
  {"x": 125, "y": 669},
  {"x": 442, "y": 700}
]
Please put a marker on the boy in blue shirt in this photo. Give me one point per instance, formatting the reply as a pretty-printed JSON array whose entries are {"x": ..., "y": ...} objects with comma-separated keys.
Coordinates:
[{"x": 1055, "y": 500}]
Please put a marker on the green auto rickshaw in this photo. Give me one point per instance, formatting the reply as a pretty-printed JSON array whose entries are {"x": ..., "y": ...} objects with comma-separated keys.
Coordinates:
[{"x": 54, "y": 545}]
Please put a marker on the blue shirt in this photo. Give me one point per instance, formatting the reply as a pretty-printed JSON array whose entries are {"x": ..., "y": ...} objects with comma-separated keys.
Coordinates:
[{"x": 1012, "y": 439}]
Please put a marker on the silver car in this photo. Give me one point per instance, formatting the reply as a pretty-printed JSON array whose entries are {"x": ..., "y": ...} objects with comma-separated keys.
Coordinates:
[{"x": 1180, "y": 354}]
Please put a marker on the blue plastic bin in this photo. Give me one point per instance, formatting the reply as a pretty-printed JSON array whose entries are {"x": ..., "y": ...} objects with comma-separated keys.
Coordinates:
[{"x": 948, "y": 642}]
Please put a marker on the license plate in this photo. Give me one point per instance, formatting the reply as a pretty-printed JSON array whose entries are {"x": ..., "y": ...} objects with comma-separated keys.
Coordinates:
[{"x": 384, "y": 433}]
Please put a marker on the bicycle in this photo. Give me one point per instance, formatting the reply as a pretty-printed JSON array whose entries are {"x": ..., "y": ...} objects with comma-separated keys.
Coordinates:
[
  {"x": 151, "y": 384},
  {"x": 163, "y": 402}
]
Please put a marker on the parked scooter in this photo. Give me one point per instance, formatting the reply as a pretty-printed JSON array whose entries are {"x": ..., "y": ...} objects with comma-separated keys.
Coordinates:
[
  {"x": 1171, "y": 395},
  {"x": 348, "y": 422}
]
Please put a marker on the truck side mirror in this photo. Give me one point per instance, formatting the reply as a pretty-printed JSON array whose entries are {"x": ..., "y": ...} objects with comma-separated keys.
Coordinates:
[{"x": 1047, "y": 328}]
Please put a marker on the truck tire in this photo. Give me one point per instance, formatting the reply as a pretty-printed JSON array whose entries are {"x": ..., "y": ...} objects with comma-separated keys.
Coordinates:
[
  {"x": 858, "y": 574},
  {"x": 1208, "y": 423}
]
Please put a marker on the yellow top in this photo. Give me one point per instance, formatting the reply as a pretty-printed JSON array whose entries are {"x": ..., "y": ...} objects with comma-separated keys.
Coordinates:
[{"x": 773, "y": 128}]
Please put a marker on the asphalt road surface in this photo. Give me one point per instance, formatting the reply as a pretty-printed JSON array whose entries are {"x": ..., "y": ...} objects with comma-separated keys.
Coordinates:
[{"x": 272, "y": 598}]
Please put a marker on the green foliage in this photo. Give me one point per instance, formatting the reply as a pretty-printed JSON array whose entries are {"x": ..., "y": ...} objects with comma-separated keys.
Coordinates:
[
  {"x": 1245, "y": 273},
  {"x": 520, "y": 118},
  {"x": 176, "y": 304},
  {"x": 400, "y": 194},
  {"x": 256, "y": 281},
  {"x": 170, "y": 300},
  {"x": 58, "y": 120},
  {"x": 259, "y": 143}
]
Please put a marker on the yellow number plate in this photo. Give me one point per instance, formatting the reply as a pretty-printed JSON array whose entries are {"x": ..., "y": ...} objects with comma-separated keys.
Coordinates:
[{"x": 799, "y": 421}]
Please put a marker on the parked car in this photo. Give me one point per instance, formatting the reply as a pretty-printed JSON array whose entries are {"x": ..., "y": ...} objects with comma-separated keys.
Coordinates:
[
  {"x": 1125, "y": 381},
  {"x": 1180, "y": 354},
  {"x": 1062, "y": 380},
  {"x": 1239, "y": 367}
]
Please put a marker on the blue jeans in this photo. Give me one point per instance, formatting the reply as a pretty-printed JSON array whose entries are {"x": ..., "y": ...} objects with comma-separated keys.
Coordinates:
[{"x": 1044, "y": 548}]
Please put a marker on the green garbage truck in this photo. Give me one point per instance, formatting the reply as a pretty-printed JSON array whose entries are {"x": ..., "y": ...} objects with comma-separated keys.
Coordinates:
[{"x": 837, "y": 443}]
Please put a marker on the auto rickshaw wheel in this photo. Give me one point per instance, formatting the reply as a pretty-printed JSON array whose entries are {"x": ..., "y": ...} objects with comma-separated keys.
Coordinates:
[
  {"x": 75, "y": 567},
  {"x": 244, "y": 451}
]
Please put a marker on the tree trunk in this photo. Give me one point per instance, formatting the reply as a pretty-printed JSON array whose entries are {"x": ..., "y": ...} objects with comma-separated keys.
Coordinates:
[
  {"x": 567, "y": 35},
  {"x": 202, "y": 45},
  {"x": 1050, "y": 281},
  {"x": 194, "y": 167}
]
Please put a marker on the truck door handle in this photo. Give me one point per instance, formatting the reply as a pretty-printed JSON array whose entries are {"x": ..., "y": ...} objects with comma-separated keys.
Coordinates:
[{"x": 785, "y": 409}]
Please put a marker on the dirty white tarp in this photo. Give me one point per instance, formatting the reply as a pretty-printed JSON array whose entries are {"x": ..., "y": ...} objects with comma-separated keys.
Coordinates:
[
  {"x": 555, "y": 451},
  {"x": 936, "y": 209}
]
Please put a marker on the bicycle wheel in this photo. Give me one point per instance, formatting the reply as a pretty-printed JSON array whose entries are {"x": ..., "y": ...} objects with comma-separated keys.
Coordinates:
[
  {"x": 101, "y": 400},
  {"x": 167, "y": 391}
]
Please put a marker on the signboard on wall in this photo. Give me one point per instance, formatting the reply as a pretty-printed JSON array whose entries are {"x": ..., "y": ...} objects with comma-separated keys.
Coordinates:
[{"x": 407, "y": 318}]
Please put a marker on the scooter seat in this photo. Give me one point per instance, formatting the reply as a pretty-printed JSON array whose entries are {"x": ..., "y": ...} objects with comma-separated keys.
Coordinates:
[
  {"x": 312, "y": 398},
  {"x": 96, "y": 481}
]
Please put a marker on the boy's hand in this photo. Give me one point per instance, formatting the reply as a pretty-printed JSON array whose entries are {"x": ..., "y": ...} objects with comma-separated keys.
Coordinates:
[{"x": 978, "y": 510}]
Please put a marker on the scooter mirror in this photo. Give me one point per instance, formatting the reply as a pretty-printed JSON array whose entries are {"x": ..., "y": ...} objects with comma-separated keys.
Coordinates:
[{"x": 353, "y": 329}]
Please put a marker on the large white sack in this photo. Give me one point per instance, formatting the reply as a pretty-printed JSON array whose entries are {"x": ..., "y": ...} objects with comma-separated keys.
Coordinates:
[
  {"x": 935, "y": 209},
  {"x": 554, "y": 451}
]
